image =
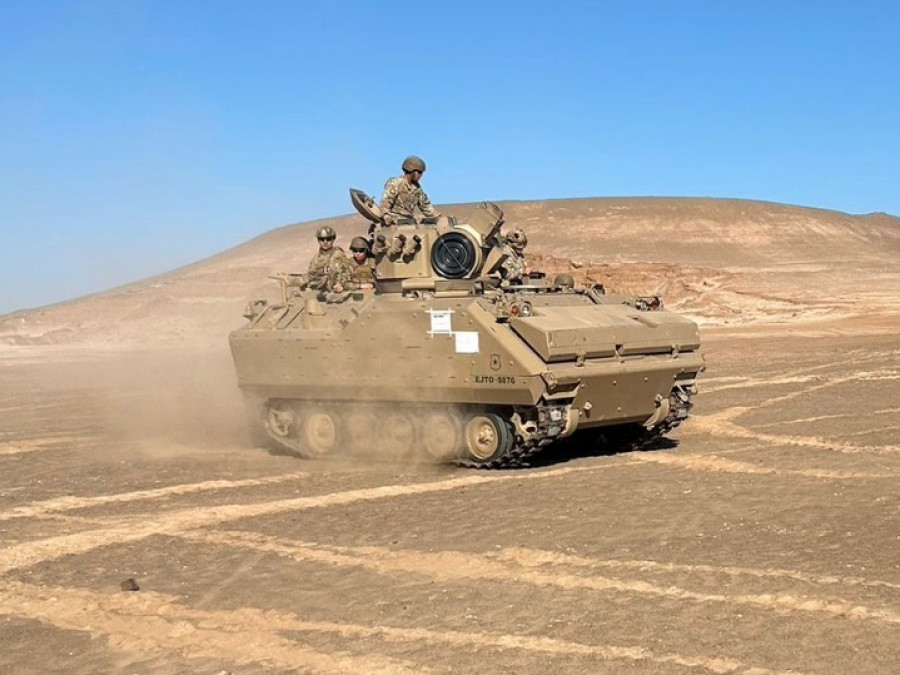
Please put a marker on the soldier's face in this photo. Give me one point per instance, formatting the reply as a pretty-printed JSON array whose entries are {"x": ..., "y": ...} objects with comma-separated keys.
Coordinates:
[
  {"x": 325, "y": 243},
  {"x": 359, "y": 256}
]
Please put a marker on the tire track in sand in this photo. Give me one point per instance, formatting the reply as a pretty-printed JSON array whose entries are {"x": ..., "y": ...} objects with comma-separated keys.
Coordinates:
[
  {"x": 149, "y": 622},
  {"x": 38, "y": 444},
  {"x": 68, "y": 503},
  {"x": 833, "y": 416},
  {"x": 456, "y": 566},
  {"x": 538, "y": 558},
  {"x": 717, "y": 384},
  {"x": 881, "y": 375},
  {"x": 134, "y": 528},
  {"x": 714, "y": 464},
  {"x": 722, "y": 424}
]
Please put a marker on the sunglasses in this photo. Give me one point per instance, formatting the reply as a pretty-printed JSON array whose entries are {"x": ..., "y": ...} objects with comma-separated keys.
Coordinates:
[
  {"x": 359, "y": 250},
  {"x": 326, "y": 238}
]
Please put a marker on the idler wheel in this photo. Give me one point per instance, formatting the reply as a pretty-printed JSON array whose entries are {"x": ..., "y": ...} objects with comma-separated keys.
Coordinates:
[
  {"x": 320, "y": 432},
  {"x": 487, "y": 437},
  {"x": 442, "y": 435}
]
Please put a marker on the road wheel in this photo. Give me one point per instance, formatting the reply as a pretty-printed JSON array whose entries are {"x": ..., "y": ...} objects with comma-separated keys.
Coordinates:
[
  {"x": 359, "y": 430},
  {"x": 397, "y": 437},
  {"x": 487, "y": 437},
  {"x": 442, "y": 435},
  {"x": 320, "y": 432}
]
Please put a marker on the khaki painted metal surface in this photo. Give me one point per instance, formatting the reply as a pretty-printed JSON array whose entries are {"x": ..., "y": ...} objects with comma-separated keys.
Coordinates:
[{"x": 440, "y": 328}]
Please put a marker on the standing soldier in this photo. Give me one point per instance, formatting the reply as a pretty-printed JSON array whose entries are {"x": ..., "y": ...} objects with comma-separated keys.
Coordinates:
[
  {"x": 514, "y": 268},
  {"x": 329, "y": 270},
  {"x": 361, "y": 264},
  {"x": 403, "y": 194}
]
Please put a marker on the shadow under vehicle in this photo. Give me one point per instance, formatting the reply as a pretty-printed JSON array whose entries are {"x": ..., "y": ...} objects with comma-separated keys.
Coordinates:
[{"x": 445, "y": 360}]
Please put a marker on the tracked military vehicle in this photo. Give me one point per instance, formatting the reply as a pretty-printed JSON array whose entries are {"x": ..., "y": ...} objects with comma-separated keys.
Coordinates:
[{"x": 446, "y": 360}]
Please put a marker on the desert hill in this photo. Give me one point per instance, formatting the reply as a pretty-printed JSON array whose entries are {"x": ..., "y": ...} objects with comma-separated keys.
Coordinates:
[
  {"x": 718, "y": 260},
  {"x": 143, "y": 526}
]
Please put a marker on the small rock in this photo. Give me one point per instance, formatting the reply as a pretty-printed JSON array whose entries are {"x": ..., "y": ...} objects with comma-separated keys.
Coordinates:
[{"x": 129, "y": 585}]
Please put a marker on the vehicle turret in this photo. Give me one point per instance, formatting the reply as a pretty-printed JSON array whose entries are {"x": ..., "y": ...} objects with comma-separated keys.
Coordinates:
[{"x": 440, "y": 255}]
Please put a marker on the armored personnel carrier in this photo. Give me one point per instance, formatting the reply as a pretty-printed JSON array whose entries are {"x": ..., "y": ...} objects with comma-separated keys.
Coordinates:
[{"x": 444, "y": 359}]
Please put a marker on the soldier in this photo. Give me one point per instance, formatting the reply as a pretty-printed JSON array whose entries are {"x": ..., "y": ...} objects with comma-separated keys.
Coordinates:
[
  {"x": 514, "y": 268},
  {"x": 363, "y": 269},
  {"x": 329, "y": 270},
  {"x": 565, "y": 281},
  {"x": 403, "y": 194}
]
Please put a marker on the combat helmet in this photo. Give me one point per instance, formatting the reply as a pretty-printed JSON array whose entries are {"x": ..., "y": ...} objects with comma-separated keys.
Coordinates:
[
  {"x": 517, "y": 239},
  {"x": 413, "y": 163},
  {"x": 326, "y": 232},
  {"x": 564, "y": 280},
  {"x": 359, "y": 243}
]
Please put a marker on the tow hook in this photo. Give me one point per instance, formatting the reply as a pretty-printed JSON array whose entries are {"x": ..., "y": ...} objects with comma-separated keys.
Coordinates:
[{"x": 662, "y": 410}]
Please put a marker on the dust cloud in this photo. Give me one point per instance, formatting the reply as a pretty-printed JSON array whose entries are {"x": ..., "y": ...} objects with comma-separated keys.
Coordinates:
[{"x": 160, "y": 402}]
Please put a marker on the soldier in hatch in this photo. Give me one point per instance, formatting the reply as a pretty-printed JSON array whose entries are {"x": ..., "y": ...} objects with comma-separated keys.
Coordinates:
[
  {"x": 329, "y": 270},
  {"x": 403, "y": 194},
  {"x": 514, "y": 268},
  {"x": 566, "y": 282},
  {"x": 362, "y": 267}
]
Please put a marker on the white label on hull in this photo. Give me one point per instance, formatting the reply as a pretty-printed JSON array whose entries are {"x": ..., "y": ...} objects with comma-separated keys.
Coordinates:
[
  {"x": 466, "y": 342},
  {"x": 440, "y": 321}
]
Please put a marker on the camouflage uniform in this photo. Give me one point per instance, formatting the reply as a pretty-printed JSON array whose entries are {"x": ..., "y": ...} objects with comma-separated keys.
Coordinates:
[
  {"x": 401, "y": 198},
  {"x": 361, "y": 274},
  {"x": 514, "y": 267},
  {"x": 327, "y": 269}
]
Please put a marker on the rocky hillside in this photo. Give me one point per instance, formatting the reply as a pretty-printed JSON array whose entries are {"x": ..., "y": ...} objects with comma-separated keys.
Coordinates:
[{"x": 718, "y": 260}]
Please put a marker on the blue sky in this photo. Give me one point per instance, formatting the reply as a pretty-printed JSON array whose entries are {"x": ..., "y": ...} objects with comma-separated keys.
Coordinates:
[{"x": 140, "y": 135}]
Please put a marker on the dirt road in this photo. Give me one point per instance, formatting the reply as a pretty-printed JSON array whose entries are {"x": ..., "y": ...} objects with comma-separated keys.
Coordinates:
[{"x": 766, "y": 540}]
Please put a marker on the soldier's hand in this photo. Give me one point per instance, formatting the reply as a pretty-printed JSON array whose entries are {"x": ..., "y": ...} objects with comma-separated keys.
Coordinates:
[
  {"x": 338, "y": 288},
  {"x": 386, "y": 218}
]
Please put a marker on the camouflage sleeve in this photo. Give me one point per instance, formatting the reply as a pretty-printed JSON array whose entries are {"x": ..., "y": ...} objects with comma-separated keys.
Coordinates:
[
  {"x": 513, "y": 267},
  {"x": 508, "y": 269},
  {"x": 391, "y": 192},
  {"x": 341, "y": 269},
  {"x": 425, "y": 206},
  {"x": 314, "y": 273}
]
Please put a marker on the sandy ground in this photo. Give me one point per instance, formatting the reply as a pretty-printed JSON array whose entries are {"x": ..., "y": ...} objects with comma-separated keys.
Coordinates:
[{"x": 765, "y": 538}]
